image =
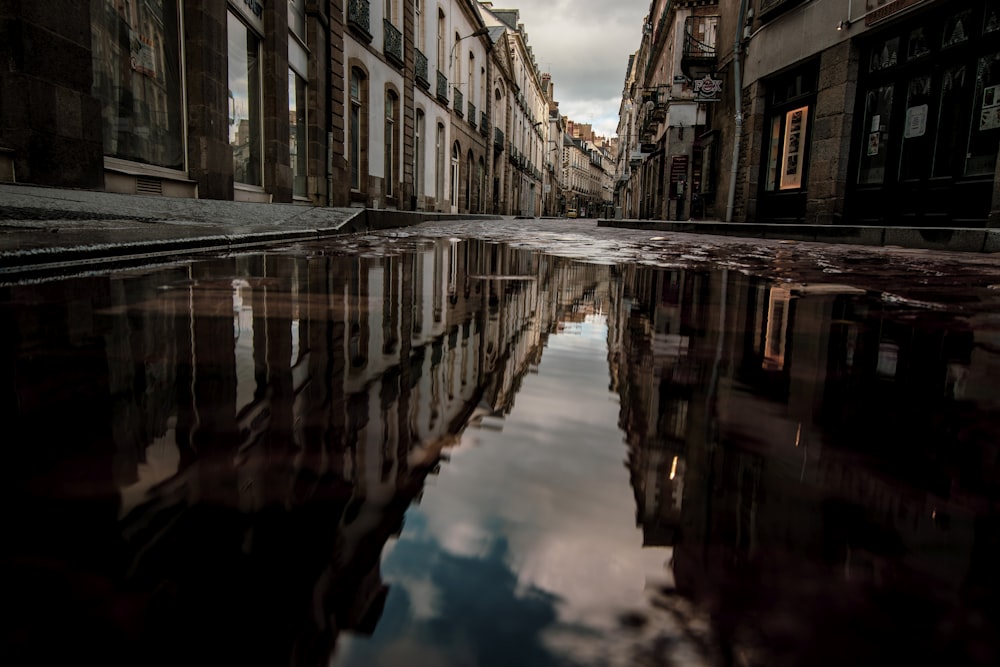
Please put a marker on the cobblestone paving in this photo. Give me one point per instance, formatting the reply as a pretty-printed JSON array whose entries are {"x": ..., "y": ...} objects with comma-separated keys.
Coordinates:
[{"x": 928, "y": 279}]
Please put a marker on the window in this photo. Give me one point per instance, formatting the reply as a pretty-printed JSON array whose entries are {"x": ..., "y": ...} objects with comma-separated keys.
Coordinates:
[
  {"x": 914, "y": 161},
  {"x": 470, "y": 90},
  {"x": 468, "y": 182},
  {"x": 790, "y": 105},
  {"x": 245, "y": 103},
  {"x": 137, "y": 80},
  {"x": 418, "y": 153},
  {"x": 440, "y": 41},
  {"x": 456, "y": 156},
  {"x": 297, "y": 18},
  {"x": 984, "y": 135},
  {"x": 875, "y": 130},
  {"x": 391, "y": 143},
  {"x": 297, "y": 135},
  {"x": 298, "y": 73},
  {"x": 356, "y": 147},
  {"x": 439, "y": 165},
  {"x": 419, "y": 24}
]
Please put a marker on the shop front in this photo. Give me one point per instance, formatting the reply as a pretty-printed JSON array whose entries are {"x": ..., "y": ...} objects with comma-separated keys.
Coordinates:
[{"x": 927, "y": 118}]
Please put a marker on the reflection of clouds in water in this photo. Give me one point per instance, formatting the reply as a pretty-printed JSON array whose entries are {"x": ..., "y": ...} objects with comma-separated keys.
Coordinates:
[
  {"x": 465, "y": 538},
  {"x": 524, "y": 549}
]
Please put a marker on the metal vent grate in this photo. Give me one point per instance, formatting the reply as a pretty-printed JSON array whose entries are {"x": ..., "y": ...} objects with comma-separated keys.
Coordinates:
[{"x": 148, "y": 186}]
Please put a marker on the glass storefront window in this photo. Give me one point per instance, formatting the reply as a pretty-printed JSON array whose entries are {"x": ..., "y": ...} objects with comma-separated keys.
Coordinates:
[
  {"x": 914, "y": 157},
  {"x": 984, "y": 135},
  {"x": 137, "y": 78},
  {"x": 773, "y": 150},
  {"x": 297, "y": 138},
  {"x": 245, "y": 103},
  {"x": 875, "y": 131},
  {"x": 952, "y": 119}
]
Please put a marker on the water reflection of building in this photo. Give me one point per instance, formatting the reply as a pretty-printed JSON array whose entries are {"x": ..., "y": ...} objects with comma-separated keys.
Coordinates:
[
  {"x": 229, "y": 444},
  {"x": 831, "y": 452}
]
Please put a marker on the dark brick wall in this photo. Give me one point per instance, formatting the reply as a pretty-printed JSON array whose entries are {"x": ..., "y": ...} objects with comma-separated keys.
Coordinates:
[
  {"x": 47, "y": 113},
  {"x": 210, "y": 157}
]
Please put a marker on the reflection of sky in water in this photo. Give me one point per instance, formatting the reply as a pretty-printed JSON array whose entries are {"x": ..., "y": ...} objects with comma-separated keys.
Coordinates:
[{"x": 524, "y": 549}]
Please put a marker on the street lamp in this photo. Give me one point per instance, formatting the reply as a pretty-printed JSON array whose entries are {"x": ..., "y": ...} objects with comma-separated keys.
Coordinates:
[{"x": 477, "y": 33}]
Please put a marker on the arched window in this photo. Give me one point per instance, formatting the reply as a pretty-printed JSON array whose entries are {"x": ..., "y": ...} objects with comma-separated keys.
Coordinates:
[
  {"x": 357, "y": 128},
  {"x": 418, "y": 156},
  {"x": 481, "y": 187},
  {"x": 456, "y": 157},
  {"x": 439, "y": 166},
  {"x": 468, "y": 182},
  {"x": 391, "y": 142}
]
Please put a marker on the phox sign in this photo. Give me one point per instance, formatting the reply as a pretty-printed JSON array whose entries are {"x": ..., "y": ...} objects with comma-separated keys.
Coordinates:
[{"x": 707, "y": 89}]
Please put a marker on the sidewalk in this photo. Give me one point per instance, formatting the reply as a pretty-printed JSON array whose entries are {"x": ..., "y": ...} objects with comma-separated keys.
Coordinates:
[{"x": 47, "y": 228}]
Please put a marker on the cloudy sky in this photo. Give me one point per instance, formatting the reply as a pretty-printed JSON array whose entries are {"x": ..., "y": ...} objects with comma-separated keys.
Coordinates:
[{"x": 585, "y": 45}]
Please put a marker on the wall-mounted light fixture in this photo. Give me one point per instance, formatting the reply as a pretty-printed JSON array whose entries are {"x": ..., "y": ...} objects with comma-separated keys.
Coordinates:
[{"x": 843, "y": 25}]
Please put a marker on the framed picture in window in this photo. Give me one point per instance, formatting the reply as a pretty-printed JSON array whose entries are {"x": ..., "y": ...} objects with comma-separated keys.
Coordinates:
[{"x": 795, "y": 136}]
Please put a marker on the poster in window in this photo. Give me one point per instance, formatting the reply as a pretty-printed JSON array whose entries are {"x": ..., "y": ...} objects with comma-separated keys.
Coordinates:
[
  {"x": 916, "y": 122},
  {"x": 873, "y": 143},
  {"x": 989, "y": 119},
  {"x": 792, "y": 159}
]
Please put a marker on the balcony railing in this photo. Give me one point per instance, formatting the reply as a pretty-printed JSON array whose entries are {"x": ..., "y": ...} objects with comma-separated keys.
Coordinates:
[
  {"x": 700, "y": 34},
  {"x": 498, "y": 139},
  {"x": 484, "y": 124},
  {"x": 472, "y": 114},
  {"x": 420, "y": 69},
  {"x": 442, "y": 87},
  {"x": 459, "y": 103},
  {"x": 358, "y": 18},
  {"x": 393, "y": 46}
]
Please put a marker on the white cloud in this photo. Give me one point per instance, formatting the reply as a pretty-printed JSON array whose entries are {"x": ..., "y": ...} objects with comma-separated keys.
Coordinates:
[{"x": 585, "y": 45}]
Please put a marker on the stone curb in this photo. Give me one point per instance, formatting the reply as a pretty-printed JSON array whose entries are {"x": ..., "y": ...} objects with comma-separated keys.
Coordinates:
[
  {"x": 922, "y": 238},
  {"x": 55, "y": 258}
]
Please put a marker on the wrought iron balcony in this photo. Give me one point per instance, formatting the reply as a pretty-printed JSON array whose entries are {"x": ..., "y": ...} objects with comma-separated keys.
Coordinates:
[
  {"x": 472, "y": 114},
  {"x": 442, "y": 87},
  {"x": 484, "y": 124},
  {"x": 393, "y": 46},
  {"x": 459, "y": 103},
  {"x": 700, "y": 45},
  {"x": 358, "y": 18},
  {"x": 498, "y": 140},
  {"x": 420, "y": 69}
]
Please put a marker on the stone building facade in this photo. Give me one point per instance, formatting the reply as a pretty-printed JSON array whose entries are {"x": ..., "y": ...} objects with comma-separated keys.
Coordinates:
[
  {"x": 883, "y": 112},
  {"x": 399, "y": 104}
]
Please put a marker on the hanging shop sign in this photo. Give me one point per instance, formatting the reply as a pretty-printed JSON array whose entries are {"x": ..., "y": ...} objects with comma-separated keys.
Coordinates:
[{"x": 707, "y": 89}]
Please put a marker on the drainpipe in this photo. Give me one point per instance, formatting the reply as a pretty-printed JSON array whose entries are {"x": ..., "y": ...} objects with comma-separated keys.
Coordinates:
[{"x": 738, "y": 87}]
